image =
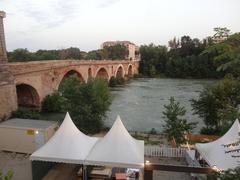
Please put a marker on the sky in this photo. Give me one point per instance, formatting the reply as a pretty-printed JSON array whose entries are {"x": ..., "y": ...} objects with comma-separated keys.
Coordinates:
[{"x": 56, "y": 24}]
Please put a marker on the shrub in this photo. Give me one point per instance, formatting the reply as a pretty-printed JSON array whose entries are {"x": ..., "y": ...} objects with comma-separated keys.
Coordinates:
[
  {"x": 53, "y": 103},
  {"x": 113, "y": 82},
  {"x": 120, "y": 80},
  {"x": 153, "y": 131},
  {"x": 7, "y": 176},
  {"x": 26, "y": 113}
]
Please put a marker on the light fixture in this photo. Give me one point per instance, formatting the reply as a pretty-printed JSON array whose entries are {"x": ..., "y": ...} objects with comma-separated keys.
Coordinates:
[
  {"x": 36, "y": 132},
  {"x": 147, "y": 162},
  {"x": 215, "y": 168}
]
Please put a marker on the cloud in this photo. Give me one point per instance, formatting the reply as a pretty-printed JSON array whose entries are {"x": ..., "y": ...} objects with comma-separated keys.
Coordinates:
[
  {"x": 107, "y": 3},
  {"x": 49, "y": 13}
]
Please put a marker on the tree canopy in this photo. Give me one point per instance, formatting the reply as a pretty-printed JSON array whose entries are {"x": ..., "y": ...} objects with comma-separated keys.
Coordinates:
[{"x": 175, "y": 125}]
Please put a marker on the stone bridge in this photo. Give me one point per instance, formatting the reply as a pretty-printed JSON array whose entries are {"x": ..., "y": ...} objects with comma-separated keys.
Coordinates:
[
  {"x": 26, "y": 84},
  {"x": 36, "y": 79}
]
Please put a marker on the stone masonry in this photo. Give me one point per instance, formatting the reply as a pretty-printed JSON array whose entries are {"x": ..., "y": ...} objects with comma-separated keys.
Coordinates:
[{"x": 8, "y": 97}]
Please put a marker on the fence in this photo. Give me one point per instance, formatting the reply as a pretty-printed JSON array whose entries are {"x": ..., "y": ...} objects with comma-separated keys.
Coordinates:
[{"x": 156, "y": 151}]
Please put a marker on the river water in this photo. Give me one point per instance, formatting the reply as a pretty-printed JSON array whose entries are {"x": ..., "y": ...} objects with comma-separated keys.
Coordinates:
[{"x": 140, "y": 102}]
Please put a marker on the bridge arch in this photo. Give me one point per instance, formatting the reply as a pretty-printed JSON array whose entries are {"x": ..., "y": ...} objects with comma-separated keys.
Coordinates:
[
  {"x": 102, "y": 73},
  {"x": 69, "y": 73},
  {"x": 89, "y": 73},
  {"x": 27, "y": 96},
  {"x": 130, "y": 72},
  {"x": 120, "y": 71}
]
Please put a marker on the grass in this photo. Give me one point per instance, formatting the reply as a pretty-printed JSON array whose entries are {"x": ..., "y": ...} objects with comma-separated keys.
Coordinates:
[{"x": 146, "y": 140}]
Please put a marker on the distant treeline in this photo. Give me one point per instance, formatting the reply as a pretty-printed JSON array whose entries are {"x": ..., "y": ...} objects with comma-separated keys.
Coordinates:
[
  {"x": 213, "y": 57},
  {"x": 112, "y": 53}
]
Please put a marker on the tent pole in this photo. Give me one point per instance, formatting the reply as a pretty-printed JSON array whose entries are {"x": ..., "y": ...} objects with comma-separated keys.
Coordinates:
[{"x": 84, "y": 171}]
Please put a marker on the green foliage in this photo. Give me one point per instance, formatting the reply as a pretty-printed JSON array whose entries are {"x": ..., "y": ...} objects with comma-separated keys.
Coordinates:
[
  {"x": 22, "y": 55},
  {"x": 26, "y": 113},
  {"x": 115, "y": 81},
  {"x": 218, "y": 105},
  {"x": 70, "y": 53},
  {"x": 87, "y": 103},
  {"x": 53, "y": 103},
  {"x": 231, "y": 174},
  {"x": 153, "y": 131},
  {"x": 153, "y": 59},
  {"x": 7, "y": 176},
  {"x": 192, "y": 58},
  {"x": 115, "y": 52},
  {"x": 176, "y": 126}
]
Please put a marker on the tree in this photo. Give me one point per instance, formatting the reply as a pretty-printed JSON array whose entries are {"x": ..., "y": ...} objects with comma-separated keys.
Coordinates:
[
  {"x": 20, "y": 55},
  {"x": 176, "y": 126},
  {"x": 70, "y": 53},
  {"x": 53, "y": 103},
  {"x": 220, "y": 33},
  {"x": 153, "y": 60},
  {"x": 87, "y": 103},
  {"x": 218, "y": 105}
]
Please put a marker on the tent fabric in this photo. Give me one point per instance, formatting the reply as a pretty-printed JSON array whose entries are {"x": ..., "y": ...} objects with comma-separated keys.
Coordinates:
[
  {"x": 68, "y": 145},
  {"x": 118, "y": 149},
  {"x": 224, "y": 153}
]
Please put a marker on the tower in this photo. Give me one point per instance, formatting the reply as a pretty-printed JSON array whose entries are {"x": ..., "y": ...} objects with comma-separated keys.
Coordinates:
[
  {"x": 3, "y": 54},
  {"x": 8, "y": 97}
]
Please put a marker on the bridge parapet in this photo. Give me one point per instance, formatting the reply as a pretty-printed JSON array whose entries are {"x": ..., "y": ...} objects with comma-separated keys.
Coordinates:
[{"x": 18, "y": 68}]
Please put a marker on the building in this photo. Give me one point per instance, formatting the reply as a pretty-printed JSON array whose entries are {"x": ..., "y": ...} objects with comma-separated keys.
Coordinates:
[{"x": 132, "y": 48}]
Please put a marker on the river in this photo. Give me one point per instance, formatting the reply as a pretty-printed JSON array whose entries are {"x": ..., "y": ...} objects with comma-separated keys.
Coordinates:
[{"x": 141, "y": 102}]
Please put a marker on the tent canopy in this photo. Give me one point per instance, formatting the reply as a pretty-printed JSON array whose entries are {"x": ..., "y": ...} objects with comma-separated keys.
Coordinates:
[
  {"x": 68, "y": 145},
  {"x": 224, "y": 153},
  {"x": 118, "y": 149}
]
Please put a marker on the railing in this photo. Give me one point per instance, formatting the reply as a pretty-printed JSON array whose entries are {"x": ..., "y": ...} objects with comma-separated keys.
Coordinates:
[{"x": 157, "y": 151}]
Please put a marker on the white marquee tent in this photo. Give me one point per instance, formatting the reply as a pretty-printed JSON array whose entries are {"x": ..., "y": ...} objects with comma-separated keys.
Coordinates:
[
  {"x": 224, "y": 153},
  {"x": 118, "y": 149},
  {"x": 68, "y": 145}
]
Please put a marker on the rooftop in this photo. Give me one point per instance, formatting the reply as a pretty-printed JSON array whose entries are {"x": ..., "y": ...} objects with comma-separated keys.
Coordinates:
[{"x": 27, "y": 123}]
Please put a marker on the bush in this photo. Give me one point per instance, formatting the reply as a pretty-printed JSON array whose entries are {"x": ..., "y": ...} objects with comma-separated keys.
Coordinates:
[
  {"x": 87, "y": 103},
  {"x": 113, "y": 82},
  {"x": 120, "y": 80},
  {"x": 26, "y": 113},
  {"x": 153, "y": 131},
  {"x": 7, "y": 176},
  {"x": 53, "y": 103}
]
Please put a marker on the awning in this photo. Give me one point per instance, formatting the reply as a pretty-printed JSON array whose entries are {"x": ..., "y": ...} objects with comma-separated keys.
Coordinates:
[
  {"x": 68, "y": 145},
  {"x": 118, "y": 149},
  {"x": 224, "y": 153}
]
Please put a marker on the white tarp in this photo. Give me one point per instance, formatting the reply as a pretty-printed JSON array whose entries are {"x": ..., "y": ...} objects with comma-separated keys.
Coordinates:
[
  {"x": 117, "y": 149},
  {"x": 224, "y": 153},
  {"x": 68, "y": 145}
]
